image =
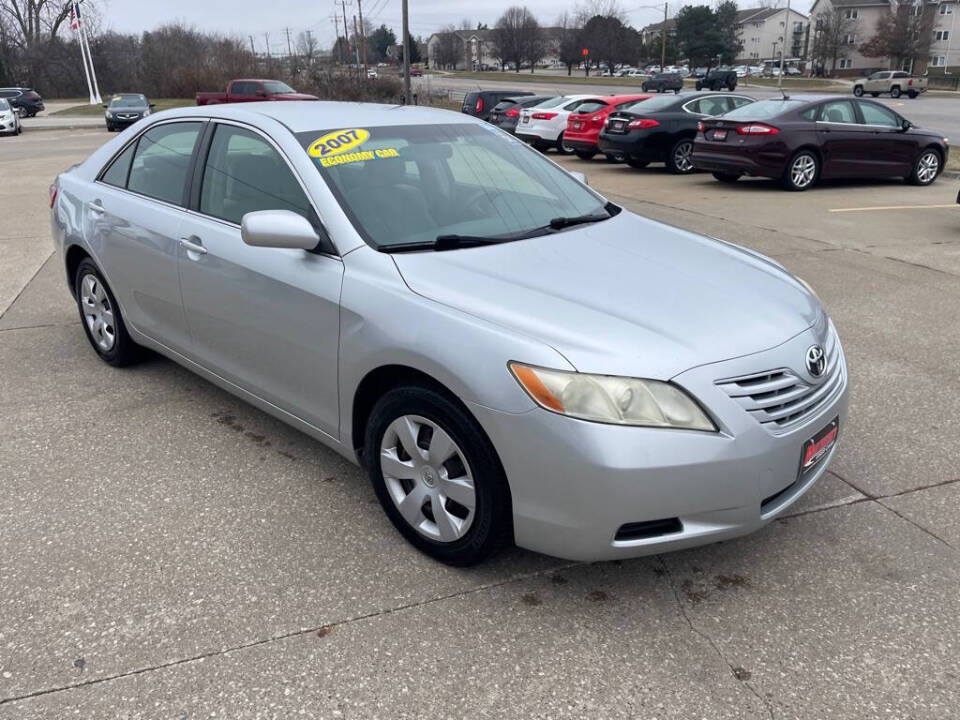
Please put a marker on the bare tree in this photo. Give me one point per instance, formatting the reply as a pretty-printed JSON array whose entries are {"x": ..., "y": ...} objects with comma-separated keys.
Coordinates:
[
  {"x": 447, "y": 48},
  {"x": 831, "y": 29},
  {"x": 517, "y": 38},
  {"x": 570, "y": 45},
  {"x": 34, "y": 21},
  {"x": 904, "y": 34}
]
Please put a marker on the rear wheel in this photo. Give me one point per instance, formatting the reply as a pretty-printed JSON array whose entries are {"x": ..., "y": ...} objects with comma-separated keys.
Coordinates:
[
  {"x": 802, "y": 171},
  {"x": 101, "y": 318},
  {"x": 912, "y": 94},
  {"x": 895, "y": 91},
  {"x": 561, "y": 148},
  {"x": 926, "y": 168},
  {"x": 637, "y": 163},
  {"x": 858, "y": 90},
  {"x": 680, "y": 159},
  {"x": 437, "y": 475},
  {"x": 726, "y": 177},
  {"x": 585, "y": 154}
]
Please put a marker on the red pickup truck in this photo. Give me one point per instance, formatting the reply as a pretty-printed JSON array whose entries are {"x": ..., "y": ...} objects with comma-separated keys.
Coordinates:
[{"x": 252, "y": 91}]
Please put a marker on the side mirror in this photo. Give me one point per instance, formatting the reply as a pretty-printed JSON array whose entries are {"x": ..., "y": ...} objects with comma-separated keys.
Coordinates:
[
  {"x": 906, "y": 125},
  {"x": 106, "y": 106},
  {"x": 153, "y": 104},
  {"x": 278, "y": 229},
  {"x": 579, "y": 176}
]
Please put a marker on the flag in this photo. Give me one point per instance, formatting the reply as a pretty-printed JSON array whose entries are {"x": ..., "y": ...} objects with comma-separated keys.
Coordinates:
[{"x": 75, "y": 16}]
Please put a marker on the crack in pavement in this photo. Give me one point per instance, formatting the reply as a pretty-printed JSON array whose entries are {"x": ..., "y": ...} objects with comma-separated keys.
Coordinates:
[
  {"x": 284, "y": 636},
  {"x": 683, "y": 613},
  {"x": 25, "y": 285},
  {"x": 913, "y": 522}
]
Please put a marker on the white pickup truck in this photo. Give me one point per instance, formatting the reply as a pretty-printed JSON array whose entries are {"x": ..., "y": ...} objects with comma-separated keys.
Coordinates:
[{"x": 895, "y": 82}]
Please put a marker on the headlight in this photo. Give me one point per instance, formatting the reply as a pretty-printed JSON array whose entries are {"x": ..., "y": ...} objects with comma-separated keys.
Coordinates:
[
  {"x": 145, "y": 113},
  {"x": 109, "y": 114},
  {"x": 610, "y": 399}
]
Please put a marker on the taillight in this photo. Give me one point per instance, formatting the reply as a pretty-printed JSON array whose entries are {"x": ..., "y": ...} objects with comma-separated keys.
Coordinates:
[
  {"x": 53, "y": 194},
  {"x": 643, "y": 124},
  {"x": 512, "y": 112},
  {"x": 701, "y": 127},
  {"x": 596, "y": 119},
  {"x": 544, "y": 116},
  {"x": 479, "y": 104},
  {"x": 757, "y": 129},
  {"x": 910, "y": 82}
]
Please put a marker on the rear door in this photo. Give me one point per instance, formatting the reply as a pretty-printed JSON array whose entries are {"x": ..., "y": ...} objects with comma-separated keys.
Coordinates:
[
  {"x": 266, "y": 319},
  {"x": 135, "y": 214}
]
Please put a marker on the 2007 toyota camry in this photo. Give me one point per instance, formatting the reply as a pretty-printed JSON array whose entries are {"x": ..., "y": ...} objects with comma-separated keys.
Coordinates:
[{"x": 509, "y": 355}]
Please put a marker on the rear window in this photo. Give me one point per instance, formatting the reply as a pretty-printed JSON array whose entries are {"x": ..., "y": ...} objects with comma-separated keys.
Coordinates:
[
  {"x": 591, "y": 106},
  {"x": 651, "y": 105},
  {"x": 764, "y": 109},
  {"x": 552, "y": 102}
]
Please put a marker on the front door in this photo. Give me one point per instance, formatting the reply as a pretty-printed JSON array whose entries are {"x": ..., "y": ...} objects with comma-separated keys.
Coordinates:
[
  {"x": 266, "y": 319},
  {"x": 843, "y": 140},
  {"x": 892, "y": 150}
]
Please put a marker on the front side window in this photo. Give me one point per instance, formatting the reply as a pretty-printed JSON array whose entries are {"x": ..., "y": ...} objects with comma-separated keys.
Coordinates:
[
  {"x": 275, "y": 87},
  {"x": 162, "y": 159},
  {"x": 244, "y": 173},
  {"x": 877, "y": 115},
  {"x": 414, "y": 183}
]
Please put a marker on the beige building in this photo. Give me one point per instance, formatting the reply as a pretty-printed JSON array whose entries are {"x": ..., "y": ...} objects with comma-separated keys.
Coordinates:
[
  {"x": 474, "y": 49},
  {"x": 762, "y": 32}
]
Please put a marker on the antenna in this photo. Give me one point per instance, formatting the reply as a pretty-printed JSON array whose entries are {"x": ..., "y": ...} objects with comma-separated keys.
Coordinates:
[{"x": 785, "y": 96}]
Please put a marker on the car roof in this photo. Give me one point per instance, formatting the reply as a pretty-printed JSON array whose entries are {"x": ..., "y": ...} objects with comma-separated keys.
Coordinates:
[{"x": 307, "y": 115}]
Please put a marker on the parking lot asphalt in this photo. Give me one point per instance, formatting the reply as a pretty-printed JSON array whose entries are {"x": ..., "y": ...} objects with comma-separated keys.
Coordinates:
[{"x": 167, "y": 551}]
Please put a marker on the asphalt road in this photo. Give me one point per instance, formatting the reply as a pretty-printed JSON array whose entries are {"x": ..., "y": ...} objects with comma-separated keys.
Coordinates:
[
  {"x": 940, "y": 111},
  {"x": 167, "y": 551}
]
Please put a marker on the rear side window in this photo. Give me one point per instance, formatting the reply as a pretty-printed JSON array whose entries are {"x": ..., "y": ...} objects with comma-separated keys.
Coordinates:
[
  {"x": 161, "y": 161},
  {"x": 116, "y": 174},
  {"x": 736, "y": 102},
  {"x": 244, "y": 173},
  {"x": 838, "y": 111}
]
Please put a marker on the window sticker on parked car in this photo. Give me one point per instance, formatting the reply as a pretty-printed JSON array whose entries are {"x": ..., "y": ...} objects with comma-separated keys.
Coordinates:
[
  {"x": 360, "y": 156},
  {"x": 338, "y": 141}
]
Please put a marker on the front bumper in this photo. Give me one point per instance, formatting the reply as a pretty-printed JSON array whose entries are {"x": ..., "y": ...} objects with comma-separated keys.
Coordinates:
[{"x": 574, "y": 484}]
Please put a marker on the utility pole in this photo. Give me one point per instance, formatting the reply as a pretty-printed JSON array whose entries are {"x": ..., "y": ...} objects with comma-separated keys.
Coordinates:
[
  {"x": 336, "y": 25},
  {"x": 406, "y": 54},
  {"x": 663, "y": 40},
  {"x": 363, "y": 38},
  {"x": 289, "y": 47},
  {"x": 346, "y": 30},
  {"x": 266, "y": 38},
  {"x": 783, "y": 47},
  {"x": 356, "y": 48},
  {"x": 253, "y": 50}
]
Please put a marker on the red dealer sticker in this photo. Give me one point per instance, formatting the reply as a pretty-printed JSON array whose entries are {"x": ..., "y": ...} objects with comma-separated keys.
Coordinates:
[{"x": 817, "y": 447}]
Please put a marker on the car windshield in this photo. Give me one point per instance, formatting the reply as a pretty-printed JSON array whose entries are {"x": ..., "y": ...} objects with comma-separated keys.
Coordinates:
[
  {"x": 275, "y": 87},
  {"x": 764, "y": 109},
  {"x": 651, "y": 105},
  {"x": 4, "y": 105},
  {"x": 128, "y": 101},
  {"x": 414, "y": 183}
]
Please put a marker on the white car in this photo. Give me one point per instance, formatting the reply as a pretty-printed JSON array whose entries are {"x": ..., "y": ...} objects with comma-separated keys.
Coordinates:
[
  {"x": 9, "y": 119},
  {"x": 371, "y": 73},
  {"x": 542, "y": 126}
]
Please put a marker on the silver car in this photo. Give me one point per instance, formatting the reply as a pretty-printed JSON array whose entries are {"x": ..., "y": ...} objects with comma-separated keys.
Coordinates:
[{"x": 510, "y": 356}]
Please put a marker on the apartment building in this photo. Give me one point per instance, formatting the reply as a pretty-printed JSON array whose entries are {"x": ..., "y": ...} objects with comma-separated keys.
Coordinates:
[{"x": 763, "y": 32}]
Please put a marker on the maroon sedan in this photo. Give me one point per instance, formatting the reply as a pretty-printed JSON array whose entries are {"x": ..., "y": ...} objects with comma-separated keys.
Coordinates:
[{"x": 804, "y": 138}]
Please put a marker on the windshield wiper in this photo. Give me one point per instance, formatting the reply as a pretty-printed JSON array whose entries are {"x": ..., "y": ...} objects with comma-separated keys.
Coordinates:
[
  {"x": 609, "y": 210},
  {"x": 446, "y": 242}
]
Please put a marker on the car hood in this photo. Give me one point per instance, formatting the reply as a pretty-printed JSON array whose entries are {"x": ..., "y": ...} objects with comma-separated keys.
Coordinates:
[{"x": 626, "y": 296}]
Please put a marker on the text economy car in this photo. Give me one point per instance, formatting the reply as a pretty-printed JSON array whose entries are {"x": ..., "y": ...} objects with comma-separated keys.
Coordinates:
[
  {"x": 125, "y": 109},
  {"x": 662, "y": 129},
  {"x": 805, "y": 138},
  {"x": 508, "y": 354}
]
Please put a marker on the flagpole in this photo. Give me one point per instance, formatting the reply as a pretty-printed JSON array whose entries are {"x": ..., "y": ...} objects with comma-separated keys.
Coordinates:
[
  {"x": 83, "y": 54},
  {"x": 93, "y": 72}
]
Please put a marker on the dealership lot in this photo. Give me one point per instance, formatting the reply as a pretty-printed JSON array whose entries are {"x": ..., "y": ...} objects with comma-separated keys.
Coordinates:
[{"x": 169, "y": 551}]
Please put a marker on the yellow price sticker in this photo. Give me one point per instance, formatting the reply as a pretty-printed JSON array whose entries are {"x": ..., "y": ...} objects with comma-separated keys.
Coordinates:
[{"x": 338, "y": 141}]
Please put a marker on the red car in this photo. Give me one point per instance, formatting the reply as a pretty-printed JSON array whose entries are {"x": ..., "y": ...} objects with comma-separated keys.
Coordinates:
[
  {"x": 585, "y": 123},
  {"x": 252, "y": 91}
]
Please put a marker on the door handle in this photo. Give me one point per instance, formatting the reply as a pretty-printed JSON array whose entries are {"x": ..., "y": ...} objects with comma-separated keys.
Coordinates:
[
  {"x": 193, "y": 245},
  {"x": 96, "y": 207}
]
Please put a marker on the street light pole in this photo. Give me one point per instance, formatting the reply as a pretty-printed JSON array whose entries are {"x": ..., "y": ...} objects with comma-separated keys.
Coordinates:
[
  {"x": 406, "y": 54},
  {"x": 783, "y": 46},
  {"x": 663, "y": 39}
]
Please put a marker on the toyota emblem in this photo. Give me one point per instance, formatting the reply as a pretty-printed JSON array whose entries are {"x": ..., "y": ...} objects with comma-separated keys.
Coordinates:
[{"x": 816, "y": 361}]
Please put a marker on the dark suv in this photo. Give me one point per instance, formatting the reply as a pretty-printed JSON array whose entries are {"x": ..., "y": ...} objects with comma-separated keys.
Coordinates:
[
  {"x": 481, "y": 102},
  {"x": 718, "y": 80},
  {"x": 661, "y": 82},
  {"x": 26, "y": 102}
]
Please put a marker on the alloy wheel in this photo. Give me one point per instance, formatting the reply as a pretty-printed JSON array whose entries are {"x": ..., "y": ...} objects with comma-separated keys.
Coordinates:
[
  {"x": 428, "y": 478},
  {"x": 927, "y": 167},
  {"x": 97, "y": 312},
  {"x": 803, "y": 171},
  {"x": 683, "y": 157}
]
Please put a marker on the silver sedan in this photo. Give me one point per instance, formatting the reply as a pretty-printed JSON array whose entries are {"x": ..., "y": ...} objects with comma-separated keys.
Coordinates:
[{"x": 510, "y": 356}]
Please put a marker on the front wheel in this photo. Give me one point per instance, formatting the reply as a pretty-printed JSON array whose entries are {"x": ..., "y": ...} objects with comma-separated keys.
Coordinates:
[
  {"x": 585, "y": 154},
  {"x": 726, "y": 177},
  {"x": 699, "y": 86},
  {"x": 895, "y": 92},
  {"x": 858, "y": 90},
  {"x": 926, "y": 168},
  {"x": 801, "y": 171},
  {"x": 101, "y": 317},
  {"x": 437, "y": 475},
  {"x": 680, "y": 159}
]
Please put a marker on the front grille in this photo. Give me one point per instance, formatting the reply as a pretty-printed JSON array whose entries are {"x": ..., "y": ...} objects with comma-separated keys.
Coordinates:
[{"x": 779, "y": 399}]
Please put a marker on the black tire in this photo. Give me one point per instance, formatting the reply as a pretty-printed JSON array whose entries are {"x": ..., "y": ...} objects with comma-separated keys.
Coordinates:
[
  {"x": 912, "y": 94},
  {"x": 644, "y": 87},
  {"x": 124, "y": 350},
  {"x": 109, "y": 127},
  {"x": 726, "y": 177},
  {"x": 491, "y": 527},
  {"x": 895, "y": 91},
  {"x": 585, "y": 154},
  {"x": 676, "y": 165},
  {"x": 676, "y": 91},
  {"x": 638, "y": 164},
  {"x": 560, "y": 148},
  {"x": 858, "y": 90},
  {"x": 790, "y": 181},
  {"x": 914, "y": 177},
  {"x": 699, "y": 86},
  {"x": 873, "y": 94}
]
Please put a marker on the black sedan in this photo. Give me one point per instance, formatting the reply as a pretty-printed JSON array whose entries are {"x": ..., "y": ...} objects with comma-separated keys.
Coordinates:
[
  {"x": 804, "y": 138},
  {"x": 125, "y": 109},
  {"x": 662, "y": 82},
  {"x": 26, "y": 102},
  {"x": 506, "y": 113},
  {"x": 662, "y": 129}
]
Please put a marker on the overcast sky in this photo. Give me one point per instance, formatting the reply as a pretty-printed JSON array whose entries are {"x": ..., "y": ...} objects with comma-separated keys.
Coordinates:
[{"x": 247, "y": 17}]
